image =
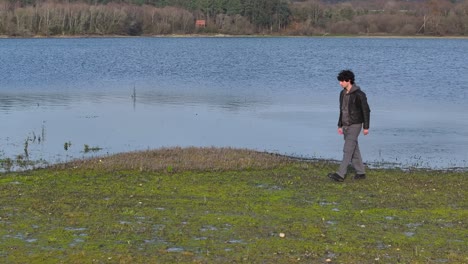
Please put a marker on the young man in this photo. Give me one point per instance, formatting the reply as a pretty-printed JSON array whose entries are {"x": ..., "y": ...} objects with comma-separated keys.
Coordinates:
[{"x": 354, "y": 116}]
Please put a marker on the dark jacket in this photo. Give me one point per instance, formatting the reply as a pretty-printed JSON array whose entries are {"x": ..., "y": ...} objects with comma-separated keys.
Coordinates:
[{"x": 359, "y": 111}]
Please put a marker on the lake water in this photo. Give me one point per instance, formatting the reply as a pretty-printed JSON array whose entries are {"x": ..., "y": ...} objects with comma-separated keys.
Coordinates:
[{"x": 270, "y": 94}]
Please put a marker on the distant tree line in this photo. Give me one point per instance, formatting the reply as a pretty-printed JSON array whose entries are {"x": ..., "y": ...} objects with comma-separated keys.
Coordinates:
[{"x": 158, "y": 17}]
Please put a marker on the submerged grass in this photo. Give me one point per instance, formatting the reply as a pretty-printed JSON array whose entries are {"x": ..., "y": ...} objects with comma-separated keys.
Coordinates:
[{"x": 221, "y": 205}]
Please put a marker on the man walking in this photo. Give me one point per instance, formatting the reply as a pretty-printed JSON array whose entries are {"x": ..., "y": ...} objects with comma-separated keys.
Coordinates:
[{"x": 354, "y": 116}]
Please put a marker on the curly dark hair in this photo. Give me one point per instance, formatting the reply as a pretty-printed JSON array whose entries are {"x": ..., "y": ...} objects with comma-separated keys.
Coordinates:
[{"x": 346, "y": 75}]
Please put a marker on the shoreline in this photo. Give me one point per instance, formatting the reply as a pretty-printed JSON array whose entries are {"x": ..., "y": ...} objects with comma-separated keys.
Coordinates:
[
  {"x": 378, "y": 36},
  {"x": 141, "y": 155}
]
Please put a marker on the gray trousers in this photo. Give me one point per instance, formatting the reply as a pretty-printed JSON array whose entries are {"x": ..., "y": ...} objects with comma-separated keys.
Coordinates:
[{"x": 351, "y": 153}]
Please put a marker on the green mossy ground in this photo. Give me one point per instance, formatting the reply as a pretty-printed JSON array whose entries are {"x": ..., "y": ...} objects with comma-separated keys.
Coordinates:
[{"x": 94, "y": 214}]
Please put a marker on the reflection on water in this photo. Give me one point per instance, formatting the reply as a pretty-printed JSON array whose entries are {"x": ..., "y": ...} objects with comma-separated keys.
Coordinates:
[
  {"x": 274, "y": 94},
  {"x": 12, "y": 102}
]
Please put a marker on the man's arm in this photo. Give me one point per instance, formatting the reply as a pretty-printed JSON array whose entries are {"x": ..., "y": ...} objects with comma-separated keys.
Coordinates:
[{"x": 365, "y": 112}]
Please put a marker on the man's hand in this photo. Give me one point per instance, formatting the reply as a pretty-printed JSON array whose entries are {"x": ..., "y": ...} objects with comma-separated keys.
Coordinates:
[
  {"x": 365, "y": 132},
  {"x": 340, "y": 131}
]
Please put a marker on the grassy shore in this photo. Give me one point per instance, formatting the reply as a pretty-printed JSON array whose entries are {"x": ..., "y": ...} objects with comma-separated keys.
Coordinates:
[{"x": 218, "y": 205}]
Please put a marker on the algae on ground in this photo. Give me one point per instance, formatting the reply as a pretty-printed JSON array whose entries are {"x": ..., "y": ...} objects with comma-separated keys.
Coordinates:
[{"x": 230, "y": 208}]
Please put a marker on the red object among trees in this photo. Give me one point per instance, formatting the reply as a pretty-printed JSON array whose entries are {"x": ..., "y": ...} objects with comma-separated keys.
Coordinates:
[{"x": 200, "y": 23}]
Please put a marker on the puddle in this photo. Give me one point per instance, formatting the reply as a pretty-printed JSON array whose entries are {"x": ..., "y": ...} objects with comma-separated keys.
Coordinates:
[
  {"x": 175, "y": 250},
  {"x": 154, "y": 241},
  {"x": 208, "y": 228},
  {"x": 414, "y": 225},
  {"x": 269, "y": 187},
  {"x": 75, "y": 229},
  {"x": 325, "y": 203},
  {"x": 79, "y": 238},
  {"x": 22, "y": 237},
  {"x": 76, "y": 241},
  {"x": 235, "y": 241}
]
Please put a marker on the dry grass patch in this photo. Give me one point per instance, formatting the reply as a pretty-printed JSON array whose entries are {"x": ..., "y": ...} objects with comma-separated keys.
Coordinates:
[{"x": 184, "y": 159}]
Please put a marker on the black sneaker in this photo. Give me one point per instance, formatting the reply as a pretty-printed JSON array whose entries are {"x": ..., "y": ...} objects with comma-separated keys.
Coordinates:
[
  {"x": 359, "y": 176},
  {"x": 335, "y": 177}
]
